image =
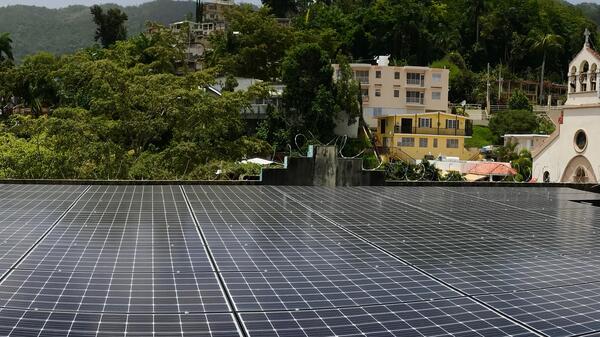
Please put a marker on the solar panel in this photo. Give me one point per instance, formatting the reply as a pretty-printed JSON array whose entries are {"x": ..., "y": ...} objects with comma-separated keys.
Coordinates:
[
  {"x": 26, "y": 213},
  {"x": 297, "y": 261},
  {"x": 561, "y": 311},
  {"x": 14, "y": 322},
  {"x": 296, "y": 290},
  {"x": 456, "y": 317},
  {"x": 262, "y": 240},
  {"x": 477, "y": 278},
  {"x": 125, "y": 260}
]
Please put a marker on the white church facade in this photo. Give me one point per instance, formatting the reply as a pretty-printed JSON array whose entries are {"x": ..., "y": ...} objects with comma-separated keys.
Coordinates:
[{"x": 572, "y": 152}]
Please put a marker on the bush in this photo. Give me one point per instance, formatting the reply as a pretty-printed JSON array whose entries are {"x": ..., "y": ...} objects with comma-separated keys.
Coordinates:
[
  {"x": 220, "y": 170},
  {"x": 453, "y": 176},
  {"x": 513, "y": 121},
  {"x": 482, "y": 136}
]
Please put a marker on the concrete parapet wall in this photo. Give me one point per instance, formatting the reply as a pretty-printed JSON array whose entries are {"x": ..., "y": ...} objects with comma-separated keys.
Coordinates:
[{"x": 322, "y": 167}]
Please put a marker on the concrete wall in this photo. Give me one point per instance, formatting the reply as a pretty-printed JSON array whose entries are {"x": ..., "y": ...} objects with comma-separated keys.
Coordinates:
[{"x": 322, "y": 168}]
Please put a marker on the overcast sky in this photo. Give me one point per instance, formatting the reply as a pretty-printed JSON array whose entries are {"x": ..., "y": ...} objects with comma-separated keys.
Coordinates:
[{"x": 64, "y": 3}]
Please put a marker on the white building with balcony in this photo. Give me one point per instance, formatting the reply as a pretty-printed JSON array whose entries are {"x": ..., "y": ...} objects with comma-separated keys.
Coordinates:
[
  {"x": 391, "y": 91},
  {"x": 572, "y": 152}
]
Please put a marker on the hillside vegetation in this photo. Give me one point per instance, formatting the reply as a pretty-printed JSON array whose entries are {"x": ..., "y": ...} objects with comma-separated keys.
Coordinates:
[
  {"x": 134, "y": 111},
  {"x": 65, "y": 30}
]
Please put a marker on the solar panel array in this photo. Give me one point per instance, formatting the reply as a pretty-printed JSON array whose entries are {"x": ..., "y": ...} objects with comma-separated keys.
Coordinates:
[{"x": 297, "y": 261}]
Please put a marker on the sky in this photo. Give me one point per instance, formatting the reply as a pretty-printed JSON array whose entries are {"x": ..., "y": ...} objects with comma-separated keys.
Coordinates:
[{"x": 64, "y": 3}]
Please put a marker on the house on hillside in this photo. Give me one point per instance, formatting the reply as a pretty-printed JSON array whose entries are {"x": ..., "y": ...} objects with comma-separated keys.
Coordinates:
[
  {"x": 524, "y": 141},
  {"x": 411, "y": 137},
  {"x": 407, "y": 107},
  {"x": 572, "y": 152},
  {"x": 210, "y": 18},
  {"x": 390, "y": 90}
]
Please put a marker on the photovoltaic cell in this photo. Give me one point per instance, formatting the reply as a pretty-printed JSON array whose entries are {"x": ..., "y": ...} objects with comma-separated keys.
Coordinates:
[
  {"x": 294, "y": 290},
  {"x": 456, "y": 317},
  {"x": 125, "y": 260},
  {"x": 174, "y": 293},
  {"x": 14, "y": 322},
  {"x": 514, "y": 275},
  {"x": 260, "y": 239},
  {"x": 26, "y": 213},
  {"x": 124, "y": 229},
  {"x": 561, "y": 311},
  {"x": 298, "y": 261}
]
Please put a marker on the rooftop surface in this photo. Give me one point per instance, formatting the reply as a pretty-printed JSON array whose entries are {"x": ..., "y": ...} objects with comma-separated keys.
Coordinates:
[{"x": 298, "y": 261}]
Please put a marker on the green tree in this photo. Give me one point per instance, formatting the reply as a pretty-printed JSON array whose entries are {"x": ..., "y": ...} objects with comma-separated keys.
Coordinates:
[
  {"x": 308, "y": 96},
  {"x": 34, "y": 81},
  {"x": 519, "y": 101},
  {"x": 6, "y": 47},
  {"x": 110, "y": 26},
  {"x": 546, "y": 44},
  {"x": 281, "y": 8},
  {"x": 513, "y": 121},
  {"x": 252, "y": 46},
  {"x": 347, "y": 90}
]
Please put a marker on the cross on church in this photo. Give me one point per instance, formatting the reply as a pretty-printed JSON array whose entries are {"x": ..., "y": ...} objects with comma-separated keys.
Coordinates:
[{"x": 587, "y": 36}]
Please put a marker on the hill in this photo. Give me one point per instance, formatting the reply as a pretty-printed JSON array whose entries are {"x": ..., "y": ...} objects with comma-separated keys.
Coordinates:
[
  {"x": 58, "y": 31},
  {"x": 591, "y": 10}
]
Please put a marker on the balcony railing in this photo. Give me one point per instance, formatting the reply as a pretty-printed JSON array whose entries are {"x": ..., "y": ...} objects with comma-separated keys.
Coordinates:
[
  {"x": 415, "y": 82},
  {"x": 415, "y": 100},
  {"x": 433, "y": 131}
]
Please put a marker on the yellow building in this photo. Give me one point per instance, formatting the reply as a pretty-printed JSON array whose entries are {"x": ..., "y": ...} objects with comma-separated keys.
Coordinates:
[{"x": 430, "y": 134}]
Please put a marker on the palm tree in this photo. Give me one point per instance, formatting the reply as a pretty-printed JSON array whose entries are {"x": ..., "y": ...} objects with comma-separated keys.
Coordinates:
[
  {"x": 546, "y": 44},
  {"x": 5, "y": 47}
]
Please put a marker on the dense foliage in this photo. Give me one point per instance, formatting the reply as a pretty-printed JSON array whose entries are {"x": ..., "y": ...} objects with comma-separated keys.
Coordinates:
[
  {"x": 110, "y": 25},
  {"x": 131, "y": 110},
  {"x": 125, "y": 112}
]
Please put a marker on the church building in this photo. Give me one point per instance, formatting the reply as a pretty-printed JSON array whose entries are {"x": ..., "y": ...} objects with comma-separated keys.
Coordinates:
[{"x": 572, "y": 152}]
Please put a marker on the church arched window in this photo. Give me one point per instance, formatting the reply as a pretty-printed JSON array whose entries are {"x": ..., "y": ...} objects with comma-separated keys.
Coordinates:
[
  {"x": 573, "y": 79},
  {"x": 593, "y": 77},
  {"x": 583, "y": 75}
]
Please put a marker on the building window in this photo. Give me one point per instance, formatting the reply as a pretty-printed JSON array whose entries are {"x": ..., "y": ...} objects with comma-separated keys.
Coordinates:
[
  {"x": 435, "y": 142},
  {"x": 451, "y": 123},
  {"x": 414, "y": 97},
  {"x": 436, "y": 77},
  {"x": 378, "y": 74},
  {"x": 362, "y": 76},
  {"x": 546, "y": 177},
  {"x": 397, "y": 75},
  {"x": 377, "y": 112},
  {"x": 396, "y": 93},
  {"x": 423, "y": 142},
  {"x": 407, "y": 142},
  {"x": 414, "y": 78},
  {"x": 425, "y": 122},
  {"x": 436, "y": 95},
  {"x": 580, "y": 141},
  {"x": 365, "y": 92},
  {"x": 377, "y": 92},
  {"x": 452, "y": 143}
]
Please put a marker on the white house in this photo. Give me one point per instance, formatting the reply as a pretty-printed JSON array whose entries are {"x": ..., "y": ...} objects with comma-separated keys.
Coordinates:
[
  {"x": 525, "y": 141},
  {"x": 572, "y": 152}
]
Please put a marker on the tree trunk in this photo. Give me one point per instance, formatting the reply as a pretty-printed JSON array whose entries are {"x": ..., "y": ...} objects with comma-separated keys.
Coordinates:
[{"x": 542, "y": 80}]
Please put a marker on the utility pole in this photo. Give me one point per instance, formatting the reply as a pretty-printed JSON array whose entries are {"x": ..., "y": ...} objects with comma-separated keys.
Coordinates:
[
  {"x": 199, "y": 11},
  {"x": 500, "y": 81},
  {"x": 487, "y": 96}
]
